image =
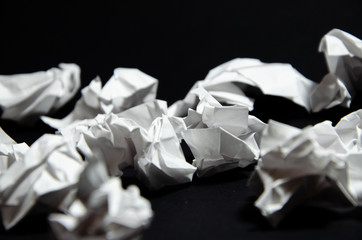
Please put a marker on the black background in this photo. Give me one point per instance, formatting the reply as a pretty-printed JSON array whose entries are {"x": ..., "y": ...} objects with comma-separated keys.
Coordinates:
[{"x": 177, "y": 42}]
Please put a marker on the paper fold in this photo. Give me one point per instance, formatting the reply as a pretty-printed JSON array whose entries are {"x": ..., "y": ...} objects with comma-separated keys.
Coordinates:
[
  {"x": 50, "y": 168},
  {"x": 128, "y": 87},
  {"x": 297, "y": 164},
  {"x": 103, "y": 209},
  {"x": 142, "y": 137},
  {"x": 221, "y": 137},
  {"x": 25, "y": 96}
]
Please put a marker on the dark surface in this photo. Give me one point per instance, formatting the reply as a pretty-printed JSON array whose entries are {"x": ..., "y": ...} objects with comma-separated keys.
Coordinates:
[{"x": 177, "y": 42}]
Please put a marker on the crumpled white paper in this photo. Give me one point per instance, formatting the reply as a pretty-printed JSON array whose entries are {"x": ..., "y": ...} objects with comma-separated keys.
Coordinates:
[
  {"x": 51, "y": 171},
  {"x": 128, "y": 87},
  {"x": 228, "y": 82},
  {"x": 221, "y": 137},
  {"x": 103, "y": 209},
  {"x": 297, "y": 164},
  {"x": 23, "y": 96},
  {"x": 48, "y": 172},
  {"x": 123, "y": 125},
  {"x": 343, "y": 53},
  {"x": 10, "y": 151},
  {"x": 142, "y": 136}
]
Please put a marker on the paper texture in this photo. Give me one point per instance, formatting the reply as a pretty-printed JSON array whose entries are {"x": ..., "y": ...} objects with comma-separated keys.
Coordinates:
[
  {"x": 27, "y": 96},
  {"x": 103, "y": 209},
  {"x": 122, "y": 124},
  {"x": 142, "y": 137},
  {"x": 343, "y": 53},
  {"x": 296, "y": 164},
  {"x": 229, "y": 83},
  {"x": 127, "y": 88},
  {"x": 221, "y": 137},
  {"x": 94, "y": 205},
  {"x": 10, "y": 151},
  {"x": 49, "y": 169}
]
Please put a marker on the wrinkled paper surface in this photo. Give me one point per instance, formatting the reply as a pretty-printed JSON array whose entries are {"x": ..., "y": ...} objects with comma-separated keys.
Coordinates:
[
  {"x": 221, "y": 137},
  {"x": 122, "y": 124},
  {"x": 229, "y": 82},
  {"x": 128, "y": 87},
  {"x": 49, "y": 168},
  {"x": 10, "y": 151},
  {"x": 297, "y": 164},
  {"x": 142, "y": 137},
  {"x": 103, "y": 209},
  {"x": 343, "y": 53},
  {"x": 24, "y": 96}
]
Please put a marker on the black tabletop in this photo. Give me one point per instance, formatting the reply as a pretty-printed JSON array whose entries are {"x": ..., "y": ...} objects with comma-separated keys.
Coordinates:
[{"x": 177, "y": 42}]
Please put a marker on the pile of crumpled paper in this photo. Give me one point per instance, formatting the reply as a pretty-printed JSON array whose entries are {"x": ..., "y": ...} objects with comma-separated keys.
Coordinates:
[{"x": 77, "y": 170}]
